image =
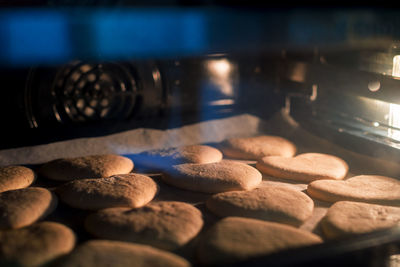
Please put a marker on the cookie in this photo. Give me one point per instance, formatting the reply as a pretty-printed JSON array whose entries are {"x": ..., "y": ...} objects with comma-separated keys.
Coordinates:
[
  {"x": 125, "y": 190},
  {"x": 35, "y": 245},
  {"x": 15, "y": 177},
  {"x": 346, "y": 218},
  {"x": 22, "y": 207},
  {"x": 257, "y": 147},
  {"x": 99, "y": 253},
  {"x": 213, "y": 177},
  {"x": 164, "y": 159},
  {"x": 306, "y": 167},
  {"x": 372, "y": 189},
  {"x": 165, "y": 224},
  {"x": 273, "y": 203},
  {"x": 96, "y": 166},
  {"x": 235, "y": 239}
]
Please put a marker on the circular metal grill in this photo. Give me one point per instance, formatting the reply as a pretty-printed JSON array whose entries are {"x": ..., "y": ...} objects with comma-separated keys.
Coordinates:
[{"x": 91, "y": 92}]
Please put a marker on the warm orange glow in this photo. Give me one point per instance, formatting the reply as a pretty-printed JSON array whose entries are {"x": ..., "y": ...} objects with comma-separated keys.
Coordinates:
[
  {"x": 396, "y": 66},
  {"x": 394, "y": 121},
  {"x": 220, "y": 67},
  {"x": 220, "y": 71}
]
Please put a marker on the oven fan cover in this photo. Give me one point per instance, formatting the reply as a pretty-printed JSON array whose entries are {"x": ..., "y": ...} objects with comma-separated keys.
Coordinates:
[
  {"x": 89, "y": 92},
  {"x": 81, "y": 93}
]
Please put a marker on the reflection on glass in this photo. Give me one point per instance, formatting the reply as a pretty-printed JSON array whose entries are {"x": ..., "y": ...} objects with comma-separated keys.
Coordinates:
[
  {"x": 222, "y": 102},
  {"x": 374, "y": 86},
  {"x": 220, "y": 71}
]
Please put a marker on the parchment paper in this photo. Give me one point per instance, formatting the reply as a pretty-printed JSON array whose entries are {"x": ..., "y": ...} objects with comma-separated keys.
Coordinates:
[{"x": 135, "y": 141}]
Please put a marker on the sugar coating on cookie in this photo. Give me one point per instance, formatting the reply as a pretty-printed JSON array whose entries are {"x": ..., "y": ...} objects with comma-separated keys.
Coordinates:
[
  {"x": 372, "y": 189},
  {"x": 306, "y": 167},
  {"x": 98, "y": 253},
  {"x": 95, "y": 166},
  {"x": 213, "y": 177},
  {"x": 35, "y": 245},
  {"x": 15, "y": 177},
  {"x": 165, "y": 224},
  {"x": 234, "y": 239},
  {"x": 165, "y": 158},
  {"x": 125, "y": 190},
  {"x": 254, "y": 148},
  {"x": 346, "y": 218},
  {"x": 22, "y": 207},
  {"x": 274, "y": 203}
]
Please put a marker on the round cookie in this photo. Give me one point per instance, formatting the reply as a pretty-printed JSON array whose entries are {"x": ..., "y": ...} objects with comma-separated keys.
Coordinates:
[
  {"x": 234, "y": 239},
  {"x": 96, "y": 166},
  {"x": 213, "y": 177},
  {"x": 346, "y": 218},
  {"x": 15, "y": 177},
  {"x": 164, "y": 159},
  {"x": 165, "y": 224},
  {"x": 254, "y": 148},
  {"x": 22, "y": 207},
  {"x": 99, "y": 253},
  {"x": 125, "y": 190},
  {"x": 35, "y": 245},
  {"x": 306, "y": 167},
  {"x": 372, "y": 189},
  {"x": 275, "y": 203}
]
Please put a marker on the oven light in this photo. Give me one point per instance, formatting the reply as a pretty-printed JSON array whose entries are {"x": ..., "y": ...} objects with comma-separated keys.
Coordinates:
[
  {"x": 396, "y": 66},
  {"x": 220, "y": 67},
  {"x": 221, "y": 71},
  {"x": 394, "y": 121}
]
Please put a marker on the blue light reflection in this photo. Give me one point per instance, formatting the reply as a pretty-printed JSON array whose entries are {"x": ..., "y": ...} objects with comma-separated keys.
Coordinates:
[
  {"x": 30, "y": 37},
  {"x": 148, "y": 33}
]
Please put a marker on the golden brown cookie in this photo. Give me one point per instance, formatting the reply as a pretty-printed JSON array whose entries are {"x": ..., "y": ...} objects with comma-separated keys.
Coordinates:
[
  {"x": 164, "y": 159},
  {"x": 22, "y": 207},
  {"x": 125, "y": 190},
  {"x": 99, "y": 253},
  {"x": 35, "y": 245},
  {"x": 372, "y": 189},
  {"x": 96, "y": 166},
  {"x": 213, "y": 177},
  {"x": 257, "y": 147},
  {"x": 346, "y": 218},
  {"x": 274, "y": 203},
  {"x": 165, "y": 224},
  {"x": 234, "y": 239},
  {"x": 15, "y": 177},
  {"x": 306, "y": 167}
]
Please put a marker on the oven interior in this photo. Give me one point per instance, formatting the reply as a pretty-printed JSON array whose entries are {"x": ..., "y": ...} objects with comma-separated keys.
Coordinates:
[{"x": 326, "y": 78}]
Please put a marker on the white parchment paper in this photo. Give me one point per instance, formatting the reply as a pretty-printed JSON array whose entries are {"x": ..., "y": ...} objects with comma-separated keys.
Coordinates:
[{"x": 135, "y": 141}]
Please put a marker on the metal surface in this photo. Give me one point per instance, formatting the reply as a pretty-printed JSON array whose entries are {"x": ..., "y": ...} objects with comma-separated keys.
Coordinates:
[
  {"x": 358, "y": 109},
  {"x": 86, "y": 92}
]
